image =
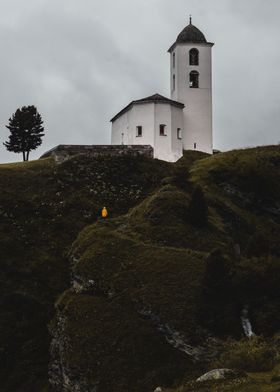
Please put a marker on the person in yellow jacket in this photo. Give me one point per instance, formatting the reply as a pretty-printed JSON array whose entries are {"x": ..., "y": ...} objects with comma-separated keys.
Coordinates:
[{"x": 104, "y": 212}]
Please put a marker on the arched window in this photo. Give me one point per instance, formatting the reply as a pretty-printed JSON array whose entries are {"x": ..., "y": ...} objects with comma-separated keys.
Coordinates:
[
  {"x": 173, "y": 59},
  {"x": 194, "y": 79},
  {"x": 194, "y": 56}
]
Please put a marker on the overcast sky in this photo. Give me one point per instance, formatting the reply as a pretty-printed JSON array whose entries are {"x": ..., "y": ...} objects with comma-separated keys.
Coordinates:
[{"x": 81, "y": 61}]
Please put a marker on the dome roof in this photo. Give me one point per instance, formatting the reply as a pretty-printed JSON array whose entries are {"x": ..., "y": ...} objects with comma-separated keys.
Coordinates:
[{"x": 191, "y": 34}]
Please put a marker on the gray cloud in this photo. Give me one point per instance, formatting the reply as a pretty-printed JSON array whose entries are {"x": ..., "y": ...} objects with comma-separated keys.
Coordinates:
[{"x": 81, "y": 62}]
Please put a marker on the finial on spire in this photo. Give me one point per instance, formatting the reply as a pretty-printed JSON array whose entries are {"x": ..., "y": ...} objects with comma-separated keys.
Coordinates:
[{"x": 190, "y": 19}]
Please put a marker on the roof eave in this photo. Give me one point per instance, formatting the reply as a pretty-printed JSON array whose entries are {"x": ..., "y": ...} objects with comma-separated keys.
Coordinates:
[
  {"x": 125, "y": 109},
  {"x": 129, "y": 106},
  {"x": 191, "y": 43}
]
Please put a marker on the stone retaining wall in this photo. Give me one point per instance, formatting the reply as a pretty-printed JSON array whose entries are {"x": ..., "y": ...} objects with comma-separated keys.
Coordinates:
[{"x": 63, "y": 152}]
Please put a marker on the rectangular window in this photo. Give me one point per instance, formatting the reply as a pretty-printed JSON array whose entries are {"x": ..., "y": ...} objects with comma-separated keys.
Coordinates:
[
  {"x": 179, "y": 133},
  {"x": 174, "y": 83},
  {"x": 162, "y": 130},
  {"x": 173, "y": 60},
  {"x": 139, "y": 132}
]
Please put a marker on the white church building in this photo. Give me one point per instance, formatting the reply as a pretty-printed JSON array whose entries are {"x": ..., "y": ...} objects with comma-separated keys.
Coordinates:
[{"x": 183, "y": 121}]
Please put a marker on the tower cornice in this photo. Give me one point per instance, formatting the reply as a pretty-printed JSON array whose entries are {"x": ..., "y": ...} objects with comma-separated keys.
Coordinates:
[{"x": 172, "y": 47}]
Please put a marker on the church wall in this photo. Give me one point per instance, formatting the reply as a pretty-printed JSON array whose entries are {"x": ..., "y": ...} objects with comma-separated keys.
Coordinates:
[
  {"x": 150, "y": 116},
  {"x": 143, "y": 115},
  {"x": 177, "y": 122},
  {"x": 120, "y": 128},
  {"x": 162, "y": 147},
  {"x": 138, "y": 115}
]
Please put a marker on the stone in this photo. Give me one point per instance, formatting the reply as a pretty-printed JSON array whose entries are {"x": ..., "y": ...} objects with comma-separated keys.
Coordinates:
[
  {"x": 158, "y": 389},
  {"x": 220, "y": 374}
]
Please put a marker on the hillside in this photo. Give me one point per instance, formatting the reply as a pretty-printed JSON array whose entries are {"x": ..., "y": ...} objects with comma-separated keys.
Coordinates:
[{"x": 147, "y": 297}]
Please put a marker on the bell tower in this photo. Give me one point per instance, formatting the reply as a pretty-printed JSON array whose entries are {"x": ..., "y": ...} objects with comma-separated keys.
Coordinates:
[{"x": 191, "y": 84}]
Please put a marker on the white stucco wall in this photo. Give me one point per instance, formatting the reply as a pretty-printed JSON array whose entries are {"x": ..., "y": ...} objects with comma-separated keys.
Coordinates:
[
  {"x": 198, "y": 101},
  {"x": 177, "y": 121},
  {"x": 150, "y": 116},
  {"x": 137, "y": 115}
]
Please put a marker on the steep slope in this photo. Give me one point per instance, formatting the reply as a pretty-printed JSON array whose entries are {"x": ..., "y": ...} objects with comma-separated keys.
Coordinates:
[
  {"x": 150, "y": 295},
  {"x": 43, "y": 206},
  {"x": 146, "y": 294}
]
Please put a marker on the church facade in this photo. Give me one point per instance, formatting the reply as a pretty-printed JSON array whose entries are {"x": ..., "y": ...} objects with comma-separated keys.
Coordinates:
[{"x": 182, "y": 122}]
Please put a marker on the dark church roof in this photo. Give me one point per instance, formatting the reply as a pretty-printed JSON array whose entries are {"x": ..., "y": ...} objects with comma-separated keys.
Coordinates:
[
  {"x": 156, "y": 98},
  {"x": 190, "y": 34}
]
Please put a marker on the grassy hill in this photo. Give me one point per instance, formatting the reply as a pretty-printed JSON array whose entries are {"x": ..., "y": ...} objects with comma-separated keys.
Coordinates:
[{"x": 147, "y": 297}]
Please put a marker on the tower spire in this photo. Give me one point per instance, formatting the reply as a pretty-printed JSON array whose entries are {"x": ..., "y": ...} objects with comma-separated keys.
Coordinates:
[{"x": 190, "y": 19}]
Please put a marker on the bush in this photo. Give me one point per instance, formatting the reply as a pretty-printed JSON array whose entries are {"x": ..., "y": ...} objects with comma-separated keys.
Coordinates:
[
  {"x": 181, "y": 177},
  {"x": 217, "y": 274},
  {"x": 198, "y": 209}
]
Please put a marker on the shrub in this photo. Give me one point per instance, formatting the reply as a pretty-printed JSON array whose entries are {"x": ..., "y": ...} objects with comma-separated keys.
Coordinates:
[
  {"x": 198, "y": 209},
  {"x": 181, "y": 177},
  {"x": 217, "y": 274}
]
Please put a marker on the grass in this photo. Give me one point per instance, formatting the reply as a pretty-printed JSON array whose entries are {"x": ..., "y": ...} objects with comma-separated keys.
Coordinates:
[
  {"x": 43, "y": 206},
  {"x": 147, "y": 262}
]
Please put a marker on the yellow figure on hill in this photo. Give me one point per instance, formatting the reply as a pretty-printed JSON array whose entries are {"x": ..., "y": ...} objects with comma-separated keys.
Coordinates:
[{"x": 104, "y": 212}]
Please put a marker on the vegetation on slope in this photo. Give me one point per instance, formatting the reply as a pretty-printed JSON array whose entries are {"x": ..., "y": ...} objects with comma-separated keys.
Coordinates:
[
  {"x": 149, "y": 288},
  {"x": 43, "y": 206}
]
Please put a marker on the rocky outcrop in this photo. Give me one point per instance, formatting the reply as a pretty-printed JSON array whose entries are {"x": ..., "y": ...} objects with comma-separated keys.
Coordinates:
[
  {"x": 62, "y": 377},
  {"x": 177, "y": 339},
  {"x": 220, "y": 374}
]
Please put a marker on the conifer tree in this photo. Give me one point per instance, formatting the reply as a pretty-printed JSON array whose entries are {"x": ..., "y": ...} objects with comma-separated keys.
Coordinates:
[{"x": 26, "y": 131}]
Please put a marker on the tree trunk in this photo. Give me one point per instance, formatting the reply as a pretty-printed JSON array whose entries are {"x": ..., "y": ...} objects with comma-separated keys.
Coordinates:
[
  {"x": 23, "y": 154},
  {"x": 27, "y": 155}
]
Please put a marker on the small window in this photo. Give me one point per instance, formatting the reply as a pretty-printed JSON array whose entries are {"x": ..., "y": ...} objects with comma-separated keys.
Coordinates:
[
  {"x": 139, "y": 132},
  {"x": 194, "y": 146},
  {"x": 162, "y": 130},
  {"x": 194, "y": 79},
  {"x": 173, "y": 59},
  {"x": 174, "y": 80},
  {"x": 179, "y": 133},
  {"x": 194, "y": 56}
]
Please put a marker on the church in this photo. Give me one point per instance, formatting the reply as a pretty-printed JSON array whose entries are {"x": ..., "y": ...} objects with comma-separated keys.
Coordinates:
[{"x": 183, "y": 121}]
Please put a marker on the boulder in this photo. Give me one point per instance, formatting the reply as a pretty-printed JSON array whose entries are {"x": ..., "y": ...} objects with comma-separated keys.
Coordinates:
[{"x": 220, "y": 374}]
